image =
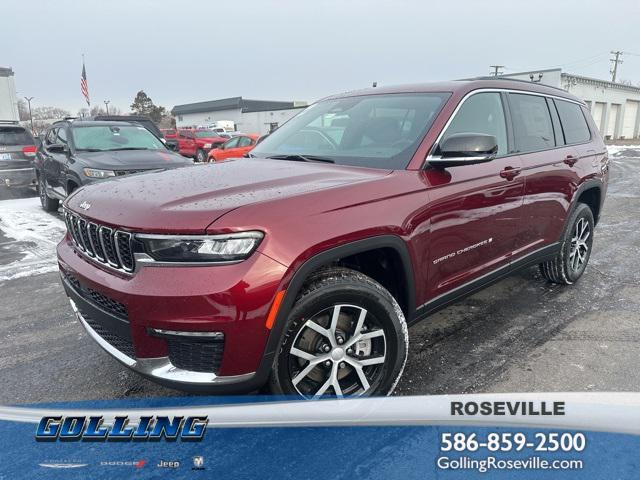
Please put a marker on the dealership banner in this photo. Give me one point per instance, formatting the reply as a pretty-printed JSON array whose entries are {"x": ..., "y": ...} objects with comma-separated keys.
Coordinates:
[{"x": 529, "y": 435}]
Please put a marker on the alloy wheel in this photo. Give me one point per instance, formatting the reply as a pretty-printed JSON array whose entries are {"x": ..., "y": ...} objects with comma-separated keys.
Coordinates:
[
  {"x": 579, "y": 245},
  {"x": 340, "y": 350}
]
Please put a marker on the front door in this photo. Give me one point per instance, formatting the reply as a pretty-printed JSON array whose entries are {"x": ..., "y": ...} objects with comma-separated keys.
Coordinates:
[{"x": 475, "y": 209}]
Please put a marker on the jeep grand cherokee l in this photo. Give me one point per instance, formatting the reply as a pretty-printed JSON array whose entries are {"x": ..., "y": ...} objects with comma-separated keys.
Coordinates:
[
  {"x": 78, "y": 152},
  {"x": 301, "y": 267}
]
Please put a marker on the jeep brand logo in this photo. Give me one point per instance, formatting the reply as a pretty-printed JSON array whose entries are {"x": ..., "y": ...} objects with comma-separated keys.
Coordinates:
[{"x": 85, "y": 205}]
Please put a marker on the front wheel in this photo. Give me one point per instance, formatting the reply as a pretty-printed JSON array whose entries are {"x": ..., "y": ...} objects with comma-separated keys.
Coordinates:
[
  {"x": 570, "y": 262},
  {"x": 345, "y": 336},
  {"x": 49, "y": 204}
]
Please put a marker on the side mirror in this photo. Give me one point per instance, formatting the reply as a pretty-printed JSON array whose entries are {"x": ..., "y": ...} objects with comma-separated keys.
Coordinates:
[
  {"x": 464, "y": 149},
  {"x": 171, "y": 146},
  {"x": 58, "y": 148}
]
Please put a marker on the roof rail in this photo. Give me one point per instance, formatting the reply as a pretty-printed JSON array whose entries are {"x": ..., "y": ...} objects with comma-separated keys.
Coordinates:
[
  {"x": 69, "y": 118},
  {"x": 508, "y": 79},
  {"x": 11, "y": 122}
]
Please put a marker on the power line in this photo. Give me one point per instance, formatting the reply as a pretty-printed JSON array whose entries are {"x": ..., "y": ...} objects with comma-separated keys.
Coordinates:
[{"x": 616, "y": 61}]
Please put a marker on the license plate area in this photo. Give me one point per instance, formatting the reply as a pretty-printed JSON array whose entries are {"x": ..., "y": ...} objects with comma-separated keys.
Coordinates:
[{"x": 5, "y": 156}]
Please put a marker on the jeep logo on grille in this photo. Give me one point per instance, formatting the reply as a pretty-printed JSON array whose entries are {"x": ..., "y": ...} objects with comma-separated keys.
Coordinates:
[{"x": 85, "y": 205}]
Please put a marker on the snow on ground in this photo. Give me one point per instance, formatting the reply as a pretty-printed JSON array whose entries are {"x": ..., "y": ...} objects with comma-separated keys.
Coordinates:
[
  {"x": 618, "y": 150},
  {"x": 28, "y": 238}
]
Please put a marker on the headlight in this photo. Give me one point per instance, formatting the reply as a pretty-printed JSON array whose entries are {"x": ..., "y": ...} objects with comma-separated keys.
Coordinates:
[
  {"x": 96, "y": 173},
  {"x": 207, "y": 145},
  {"x": 201, "y": 248}
]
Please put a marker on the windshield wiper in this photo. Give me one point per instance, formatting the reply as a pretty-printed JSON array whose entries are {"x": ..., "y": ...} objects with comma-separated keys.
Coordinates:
[
  {"x": 126, "y": 148},
  {"x": 302, "y": 158}
]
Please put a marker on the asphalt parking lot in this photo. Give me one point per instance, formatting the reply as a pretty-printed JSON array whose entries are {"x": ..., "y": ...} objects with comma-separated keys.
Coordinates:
[{"x": 520, "y": 335}]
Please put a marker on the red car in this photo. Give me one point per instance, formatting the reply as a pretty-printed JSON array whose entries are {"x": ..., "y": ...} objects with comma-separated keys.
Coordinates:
[
  {"x": 236, "y": 147},
  {"x": 303, "y": 267},
  {"x": 197, "y": 143}
]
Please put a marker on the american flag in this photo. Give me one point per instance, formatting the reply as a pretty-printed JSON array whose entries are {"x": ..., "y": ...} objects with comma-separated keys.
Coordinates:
[{"x": 84, "y": 87}]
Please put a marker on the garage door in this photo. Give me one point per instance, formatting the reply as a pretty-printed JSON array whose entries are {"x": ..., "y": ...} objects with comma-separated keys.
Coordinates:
[
  {"x": 629, "y": 119},
  {"x": 613, "y": 118},
  {"x": 598, "y": 113}
]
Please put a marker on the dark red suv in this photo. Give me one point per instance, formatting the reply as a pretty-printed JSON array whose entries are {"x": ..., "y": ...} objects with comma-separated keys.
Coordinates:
[{"x": 302, "y": 266}]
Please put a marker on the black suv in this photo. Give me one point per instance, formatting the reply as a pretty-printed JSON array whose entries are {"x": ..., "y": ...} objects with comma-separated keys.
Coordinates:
[
  {"x": 17, "y": 150},
  {"x": 77, "y": 152}
]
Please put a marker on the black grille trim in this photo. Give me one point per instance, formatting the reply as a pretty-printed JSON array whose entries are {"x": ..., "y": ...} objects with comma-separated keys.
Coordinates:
[
  {"x": 196, "y": 356},
  {"x": 96, "y": 298},
  {"x": 110, "y": 247}
]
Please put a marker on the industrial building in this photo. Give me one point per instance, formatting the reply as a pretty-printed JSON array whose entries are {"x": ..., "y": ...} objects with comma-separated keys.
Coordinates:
[
  {"x": 249, "y": 116},
  {"x": 614, "y": 106},
  {"x": 8, "y": 101}
]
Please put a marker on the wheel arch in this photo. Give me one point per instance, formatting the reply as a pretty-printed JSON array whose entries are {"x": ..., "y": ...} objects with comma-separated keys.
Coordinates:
[
  {"x": 589, "y": 193},
  {"x": 388, "y": 243}
]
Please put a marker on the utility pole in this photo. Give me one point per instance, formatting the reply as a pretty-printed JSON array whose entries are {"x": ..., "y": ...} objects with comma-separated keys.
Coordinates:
[
  {"x": 496, "y": 69},
  {"x": 615, "y": 61},
  {"x": 28, "y": 99},
  {"x": 106, "y": 103}
]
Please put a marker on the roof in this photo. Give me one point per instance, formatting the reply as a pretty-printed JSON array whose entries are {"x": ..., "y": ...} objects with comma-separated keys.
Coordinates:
[
  {"x": 463, "y": 87},
  {"x": 232, "y": 103},
  {"x": 603, "y": 83},
  {"x": 95, "y": 123}
]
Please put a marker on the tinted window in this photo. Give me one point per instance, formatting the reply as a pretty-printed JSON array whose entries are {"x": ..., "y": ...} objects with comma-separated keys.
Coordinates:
[
  {"x": 62, "y": 136},
  {"x": 52, "y": 134},
  {"x": 244, "y": 142},
  {"x": 15, "y": 136},
  {"x": 531, "y": 122},
  {"x": 378, "y": 131},
  {"x": 574, "y": 124},
  {"x": 481, "y": 113},
  {"x": 232, "y": 143}
]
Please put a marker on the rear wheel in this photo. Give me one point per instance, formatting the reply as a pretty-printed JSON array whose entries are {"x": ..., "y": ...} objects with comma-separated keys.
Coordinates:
[
  {"x": 201, "y": 156},
  {"x": 49, "y": 204},
  {"x": 345, "y": 336},
  {"x": 569, "y": 264}
]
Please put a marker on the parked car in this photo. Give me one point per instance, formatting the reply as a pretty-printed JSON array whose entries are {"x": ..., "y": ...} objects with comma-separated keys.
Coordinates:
[
  {"x": 235, "y": 147},
  {"x": 196, "y": 143},
  {"x": 78, "y": 152},
  {"x": 17, "y": 150},
  {"x": 301, "y": 268}
]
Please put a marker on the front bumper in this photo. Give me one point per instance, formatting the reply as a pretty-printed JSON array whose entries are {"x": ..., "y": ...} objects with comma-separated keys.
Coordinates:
[
  {"x": 18, "y": 177},
  {"x": 124, "y": 313}
]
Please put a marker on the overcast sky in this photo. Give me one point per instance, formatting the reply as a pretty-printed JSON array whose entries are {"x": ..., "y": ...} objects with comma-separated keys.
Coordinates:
[{"x": 181, "y": 52}]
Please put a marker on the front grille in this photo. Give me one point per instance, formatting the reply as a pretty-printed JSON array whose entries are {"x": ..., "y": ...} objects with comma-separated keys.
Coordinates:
[
  {"x": 196, "y": 356},
  {"x": 101, "y": 243},
  {"x": 121, "y": 173},
  {"x": 116, "y": 341},
  {"x": 105, "y": 303}
]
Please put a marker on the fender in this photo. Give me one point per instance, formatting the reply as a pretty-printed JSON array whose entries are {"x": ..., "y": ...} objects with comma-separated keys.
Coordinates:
[
  {"x": 584, "y": 186},
  {"x": 323, "y": 258}
]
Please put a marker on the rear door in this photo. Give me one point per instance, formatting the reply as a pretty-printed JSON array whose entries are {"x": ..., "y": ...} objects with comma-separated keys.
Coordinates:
[
  {"x": 475, "y": 209},
  {"x": 229, "y": 149},
  {"x": 547, "y": 169},
  {"x": 245, "y": 144},
  {"x": 52, "y": 167}
]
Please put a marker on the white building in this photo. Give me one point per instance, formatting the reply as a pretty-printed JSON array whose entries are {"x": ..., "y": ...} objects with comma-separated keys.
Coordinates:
[
  {"x": 249, "y": 116},
  {"x": 614, "y": 106},
  {"x": 8, "y": 100}
]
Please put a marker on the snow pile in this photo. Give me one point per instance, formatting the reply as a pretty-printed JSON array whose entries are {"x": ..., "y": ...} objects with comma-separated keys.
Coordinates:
[{"x": 31, "y": 236}]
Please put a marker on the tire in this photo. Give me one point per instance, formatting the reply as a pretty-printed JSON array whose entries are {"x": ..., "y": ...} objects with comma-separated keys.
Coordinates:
[
  {"x": 570, "y": 262},
  {"x": 320, "y": 353},
  {"x": 48, "y": 204},
  {"x": 201, "y": 156}
]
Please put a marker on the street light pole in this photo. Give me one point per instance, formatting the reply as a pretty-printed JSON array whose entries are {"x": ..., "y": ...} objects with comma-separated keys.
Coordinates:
[
  {"x": 28, "y": 99},
  {"x": 106, "y": 103}
]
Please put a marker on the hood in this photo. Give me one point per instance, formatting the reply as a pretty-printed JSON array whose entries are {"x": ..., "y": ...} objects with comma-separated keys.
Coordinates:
[
  {"x": 187, "y": 200},
  {"x": 132, "y": 159}
]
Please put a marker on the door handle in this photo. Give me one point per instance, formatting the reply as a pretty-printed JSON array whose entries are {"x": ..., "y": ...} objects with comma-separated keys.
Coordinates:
[
  {"x": 510, "y": 173},
  {"x": 570, "y": 160}
]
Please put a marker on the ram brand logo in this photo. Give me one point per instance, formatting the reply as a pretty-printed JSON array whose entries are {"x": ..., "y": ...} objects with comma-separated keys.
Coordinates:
[{"x": 85, "y": 205}]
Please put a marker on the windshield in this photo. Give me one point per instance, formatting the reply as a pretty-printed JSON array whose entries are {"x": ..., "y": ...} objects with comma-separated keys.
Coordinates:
[
  {"x": 112, "y": 137},
  {"x": 378, "y": 131},
  {"x": 205, "y": 134},
  {"x": 15, "y": 136}
]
